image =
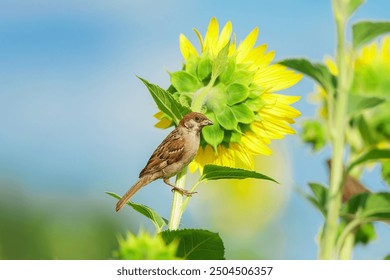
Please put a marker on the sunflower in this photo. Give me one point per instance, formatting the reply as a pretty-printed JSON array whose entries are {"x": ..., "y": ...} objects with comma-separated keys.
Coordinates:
[{"x": 235, "y": 87}]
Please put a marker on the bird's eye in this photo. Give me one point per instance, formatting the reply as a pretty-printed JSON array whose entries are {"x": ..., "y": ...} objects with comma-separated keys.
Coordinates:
[{"x": 197, "y": 119}]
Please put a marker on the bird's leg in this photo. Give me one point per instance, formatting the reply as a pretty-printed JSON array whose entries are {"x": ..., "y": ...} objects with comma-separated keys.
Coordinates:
[{"x": 180, "y": 190}]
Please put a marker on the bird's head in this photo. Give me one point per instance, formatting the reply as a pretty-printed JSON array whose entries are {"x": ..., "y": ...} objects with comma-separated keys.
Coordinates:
[{"x": 195, "y": 121}]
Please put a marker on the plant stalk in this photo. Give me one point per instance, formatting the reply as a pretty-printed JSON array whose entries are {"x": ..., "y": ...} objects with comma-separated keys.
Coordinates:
[
  {"x": 328, "y": 241},
  {"x": 177, "y": 201},
  {"x": 346, "y": 249}
]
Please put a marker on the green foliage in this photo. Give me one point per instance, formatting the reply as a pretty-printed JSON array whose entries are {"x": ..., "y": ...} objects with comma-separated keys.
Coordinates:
[
  {"x": 196, "y": 244},
  {"x": 226, "y": 118},
  {"x": 351, "y": 6},
  {"x": 358, "y": 103},
  {"x": 145, "y": 247},
  {"x": 204, "y": 68},
  {"x": 371, "y": 155},
  {"x": 166, "y": 103},
  {"x": 368, "y": 207},
  {"x": 216, "y": 172},
  {"x": 386, "y": 172},
  {"x": 183, "y": 81},
  {"x": 243, "y": 113},
  {"x": 316, "y": 71},
  {"x": 213, "y": 134},
  {"x": 387, "y": 257},
  {"x": 313, "y": 133},
  {"x": 320, "y": 195},
  {"x": 158, "y": 221},
  {"x": 365, "y": 31},
  {"x": 220, "y": 63},
  {"x": 236, "y": 93},
  {"x": 365, "y": 234}
]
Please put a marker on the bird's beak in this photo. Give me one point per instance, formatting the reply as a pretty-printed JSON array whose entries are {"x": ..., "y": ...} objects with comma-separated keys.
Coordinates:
[{"x": 207, "y": 122}]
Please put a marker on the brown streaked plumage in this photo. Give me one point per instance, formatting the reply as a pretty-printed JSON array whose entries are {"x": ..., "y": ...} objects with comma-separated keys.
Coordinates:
[{"x": 175, "y": 152}]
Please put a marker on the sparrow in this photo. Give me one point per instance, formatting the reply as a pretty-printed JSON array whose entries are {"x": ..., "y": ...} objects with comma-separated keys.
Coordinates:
[{"x": 175, "y": 152}]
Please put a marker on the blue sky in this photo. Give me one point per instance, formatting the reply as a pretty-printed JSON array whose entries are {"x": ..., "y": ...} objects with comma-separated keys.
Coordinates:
[{"x": 74, "y": 116}]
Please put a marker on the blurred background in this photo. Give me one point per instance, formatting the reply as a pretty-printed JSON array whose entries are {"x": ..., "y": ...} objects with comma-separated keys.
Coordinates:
[{"x": 76, "y": 122}]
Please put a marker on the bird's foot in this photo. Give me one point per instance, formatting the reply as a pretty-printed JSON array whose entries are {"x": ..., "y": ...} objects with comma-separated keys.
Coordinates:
[{"x": 183, "y": 191}]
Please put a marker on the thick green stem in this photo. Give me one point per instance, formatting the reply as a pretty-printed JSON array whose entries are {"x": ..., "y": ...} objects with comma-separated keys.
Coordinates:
[
  {"x": 177, "y": 202},
  {"x": 199, "y": 97},
  {"x": 346, "y": 240},
  {"x": 338, "y": 122},
  {"x": 347, "y": 248}
]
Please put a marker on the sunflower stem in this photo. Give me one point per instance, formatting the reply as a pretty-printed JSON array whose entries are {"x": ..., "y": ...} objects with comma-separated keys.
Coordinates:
[
  {"x": 177, "y": 201},
  {"x": 199, "y": 97},
  {"x": 338, "y": 122},
  {"x": 346, "y": 250}
]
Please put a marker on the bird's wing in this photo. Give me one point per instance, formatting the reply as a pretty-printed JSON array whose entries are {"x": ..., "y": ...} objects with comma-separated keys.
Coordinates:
[{"x": 168, "y": 152}]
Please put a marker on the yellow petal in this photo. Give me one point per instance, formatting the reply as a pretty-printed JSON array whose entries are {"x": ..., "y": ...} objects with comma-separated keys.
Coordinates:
[
  {"x": 211, "y": 38},
  {"x": 224, "y": 38},
  {"x": 186, "y": 48},
  {"x": 255, "y": 54},
  {"x": 246, "y": 45},
  {"x": 331, "y": 65},
  {"x": 255, "y": 144},
  {"x": 276, "y": 77},
  {"x": 281, "y": 98},
  {"x": 193, "y": 166},
  {"x": 280, "y": 110},
  {"x": 243, "y": 155},
  {"x": 163, "y": 121},
  {"x": 226, "y": 156},
  {"x": 386, "y": 50},
  {"x": 278, "y": 125},
  {"x": 199, "y": 38},
  {"x": 232, "y": 47}
]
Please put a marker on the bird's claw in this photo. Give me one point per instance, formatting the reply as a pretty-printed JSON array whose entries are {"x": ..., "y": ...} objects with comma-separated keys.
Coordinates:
[{"x": 183, "y": 191}]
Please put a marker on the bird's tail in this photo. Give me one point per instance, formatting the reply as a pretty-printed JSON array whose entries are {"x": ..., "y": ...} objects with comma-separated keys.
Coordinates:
[{"x": 141, "y": 182}]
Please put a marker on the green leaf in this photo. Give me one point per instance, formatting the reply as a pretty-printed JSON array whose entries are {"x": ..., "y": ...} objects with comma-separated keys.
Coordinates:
[
  {"x": 216, "y": 172},
  {"x": 368, "y": 207},
  {"x": 242, "y": 77},
  {"x": 227, "y": 119},
  {"x": 158, "y": 221},
  {"x": 387, "y": 257},
  {"x": 255, "y": 104},
  {"x": 232, "y": 137},
  {"x": 243, "y": 114},
  {"x": 221, "y": 61},
  {"x": 204, "y": 68},
  {"x": 374, "y": 154},
  {"x": 184, "y": 82},
  {"x": 365, "y": 233},
  {"x": 386, "y": 172},
  {"x": 316, "y": 71},
  {"x": 236, "y": 93},
  {"x": 227, "y": 74},
  {"x": 196, "y": 244},
  {"x": 352, "y": 5},
  {"x": 358, "y": 103},
  {"x": 313, "y": 133},
  {"x": 320, "y": 196},
  {"x": 213, "y": 134},
  {"x": 191, "y": 65},
  {"x": 166, "y": 103},
  {"x": 365, "y": 31},
  {"x": 364, "y": 129}
]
